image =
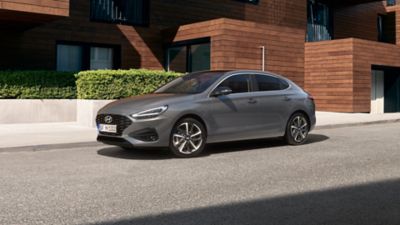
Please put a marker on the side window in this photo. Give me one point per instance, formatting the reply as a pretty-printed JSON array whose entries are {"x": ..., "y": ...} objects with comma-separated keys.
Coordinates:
[
  {"x": 284, "y": 84},
  {"x": 269, "y": 83},
  {"x": 238, "y": 83}
]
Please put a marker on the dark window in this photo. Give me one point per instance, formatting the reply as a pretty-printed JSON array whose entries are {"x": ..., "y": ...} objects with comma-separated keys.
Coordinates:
[
  {"x": 269, "y": 83},
  {"x": 391, "y": 2},
  {"x": 73, "y": 56},
  {"x": 237, "y": 83},
  {"x": 319, "y": 21},
  {"x": 255, "y": 2},
  {"x": 131, "y": 12},
  {"x": 387, "y": 28},
  {"x": 189, "y": 56},
  {"x": 191, "y": 84}
]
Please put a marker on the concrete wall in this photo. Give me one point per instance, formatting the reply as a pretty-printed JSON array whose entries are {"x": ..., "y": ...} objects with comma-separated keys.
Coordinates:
[
  {"x": 37, "y": 111},
  {"x": 87, "y": 111},
  {"x": 48, "y": 111}
]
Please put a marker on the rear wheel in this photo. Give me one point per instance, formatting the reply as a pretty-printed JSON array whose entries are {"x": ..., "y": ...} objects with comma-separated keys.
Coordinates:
[
  {"x": 188, "y": 138},
  {"x": 297, "y": 129}
]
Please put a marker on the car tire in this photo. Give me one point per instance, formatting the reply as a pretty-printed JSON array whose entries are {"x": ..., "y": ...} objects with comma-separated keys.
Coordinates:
[
  {"x": 297, "y": 129},
  {"x": 188, "y": 138}
]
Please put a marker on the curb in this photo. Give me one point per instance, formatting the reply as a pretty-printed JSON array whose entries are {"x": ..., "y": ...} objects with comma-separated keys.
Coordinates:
[
  {"x": 324, "y": 127},
  {"x": 35, "y": 148}
]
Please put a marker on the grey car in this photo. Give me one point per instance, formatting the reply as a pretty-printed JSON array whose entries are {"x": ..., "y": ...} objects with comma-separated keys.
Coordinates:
[{"x": 209, "y": 107}]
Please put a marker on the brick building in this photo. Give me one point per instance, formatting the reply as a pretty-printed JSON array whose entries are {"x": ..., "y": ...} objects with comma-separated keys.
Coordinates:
[{"x": 345, "y": 52}]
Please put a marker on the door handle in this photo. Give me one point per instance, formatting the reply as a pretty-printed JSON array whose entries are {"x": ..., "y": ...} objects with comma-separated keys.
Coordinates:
[
  {"x": 287, "y": 98},
  {"x": 252, "y": 101}
]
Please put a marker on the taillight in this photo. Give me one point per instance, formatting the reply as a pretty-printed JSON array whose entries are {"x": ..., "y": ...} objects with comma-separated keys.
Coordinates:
[{"x": 309, "y": 96}]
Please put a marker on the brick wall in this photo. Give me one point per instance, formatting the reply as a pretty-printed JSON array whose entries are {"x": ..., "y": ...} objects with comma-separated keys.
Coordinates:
[
  {"x": 35, "y": 47},
  {"x": 50, "y": 7},
  {"x": 359, "y": 21},
  {"x": 338, "y": 73},
  {"x": 236, "y": 45}
]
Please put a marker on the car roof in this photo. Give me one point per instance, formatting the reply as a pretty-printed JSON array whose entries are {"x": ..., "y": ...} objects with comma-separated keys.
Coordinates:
[{"x": 225, "y": 73}]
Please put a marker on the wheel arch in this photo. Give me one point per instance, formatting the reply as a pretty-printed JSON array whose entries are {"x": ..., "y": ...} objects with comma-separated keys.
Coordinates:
[
  {"x": 302, "y": 112},
  {"x": 193, "y": 116}
]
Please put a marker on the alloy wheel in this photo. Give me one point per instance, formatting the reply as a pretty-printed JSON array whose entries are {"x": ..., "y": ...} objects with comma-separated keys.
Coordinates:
[
  {"x": 187, "y": 138},
  {"x": 299, "y": 129}
]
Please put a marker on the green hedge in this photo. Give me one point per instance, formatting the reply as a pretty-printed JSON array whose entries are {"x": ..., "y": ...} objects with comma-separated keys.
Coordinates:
[
  {"x": 115, "y": 84},
  {"x": 37, "y": 85}
]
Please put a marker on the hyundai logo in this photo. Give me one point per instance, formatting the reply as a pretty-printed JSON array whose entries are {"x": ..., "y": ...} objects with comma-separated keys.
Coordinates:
[{"x": 108, "y": 119}]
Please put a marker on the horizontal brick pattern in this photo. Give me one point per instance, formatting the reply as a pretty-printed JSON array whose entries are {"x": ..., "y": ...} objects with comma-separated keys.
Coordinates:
[
  {"x": 34, "y": 48},
  {"x": 338, "y": 73},
  {"x": 329, "y": 74},
  {"x": 359, "y": 21},
  {"x": 367, "y": 53},
  {"x": 50, "y": 7},
  {"x": 236, "y": 45}
]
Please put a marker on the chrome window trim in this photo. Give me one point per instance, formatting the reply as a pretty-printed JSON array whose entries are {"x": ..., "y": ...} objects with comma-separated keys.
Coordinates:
[{"x": 253, "y": 73}]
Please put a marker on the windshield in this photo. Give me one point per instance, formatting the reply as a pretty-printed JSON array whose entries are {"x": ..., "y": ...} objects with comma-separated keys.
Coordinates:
[{"x": 193, "y": 83}]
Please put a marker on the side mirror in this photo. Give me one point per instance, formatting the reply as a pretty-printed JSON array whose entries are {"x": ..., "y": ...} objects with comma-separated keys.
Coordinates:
[{"x": 219, "y": 91}]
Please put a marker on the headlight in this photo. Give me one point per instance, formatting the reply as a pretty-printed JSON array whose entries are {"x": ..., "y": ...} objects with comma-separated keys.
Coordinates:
[{"x": 150, "y": 113}]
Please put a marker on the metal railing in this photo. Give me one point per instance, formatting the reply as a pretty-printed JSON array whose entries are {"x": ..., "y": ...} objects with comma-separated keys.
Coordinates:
[
  {"x": 317, "y": 32},
  {"x": 133, "y": 12}
]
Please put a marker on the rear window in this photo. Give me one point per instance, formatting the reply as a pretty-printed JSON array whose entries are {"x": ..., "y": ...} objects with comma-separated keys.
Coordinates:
[{"x": 270, "y": 83}]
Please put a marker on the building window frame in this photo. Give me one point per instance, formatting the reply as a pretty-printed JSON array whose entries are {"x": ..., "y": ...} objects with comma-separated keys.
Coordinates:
[
  {"x": 145, "y": 17},
  {"x": 320, "y": 24},
  {"x": 391, "y": 2},
  {"x": 188, "y": 45},
  {"x": 86, "y": 49}
]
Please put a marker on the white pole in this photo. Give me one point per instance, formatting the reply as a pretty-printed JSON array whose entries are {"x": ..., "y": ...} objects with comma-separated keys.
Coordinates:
[{"x": 262, "y": 58}]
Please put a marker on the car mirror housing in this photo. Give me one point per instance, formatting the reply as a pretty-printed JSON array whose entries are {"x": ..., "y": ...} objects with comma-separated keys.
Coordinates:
[{"x": 219, "y": 91}]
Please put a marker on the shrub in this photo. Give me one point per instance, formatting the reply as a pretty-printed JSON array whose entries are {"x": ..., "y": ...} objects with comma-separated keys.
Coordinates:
[
  {"x": 115, "y": 84},
  {"x": 37, "y": 85}
]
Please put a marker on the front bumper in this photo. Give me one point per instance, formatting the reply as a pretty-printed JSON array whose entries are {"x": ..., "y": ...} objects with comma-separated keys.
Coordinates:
[{"x": 136, "y": 133}]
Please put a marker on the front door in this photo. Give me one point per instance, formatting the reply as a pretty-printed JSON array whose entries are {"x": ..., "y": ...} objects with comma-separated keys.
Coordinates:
[{"x": 232, "y": 117}]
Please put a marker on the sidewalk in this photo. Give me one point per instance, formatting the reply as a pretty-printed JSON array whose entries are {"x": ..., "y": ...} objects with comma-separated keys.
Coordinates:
[
  {"x": 38, "y": 136},
  {"x": 44, "y": 134}
]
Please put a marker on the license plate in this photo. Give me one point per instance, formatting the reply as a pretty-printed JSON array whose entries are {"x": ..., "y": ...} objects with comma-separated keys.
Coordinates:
[{"x": 108, "y": 128}]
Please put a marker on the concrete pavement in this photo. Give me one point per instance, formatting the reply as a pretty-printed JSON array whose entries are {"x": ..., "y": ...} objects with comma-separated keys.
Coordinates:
[
  {"x": 37, "y": 136},
  {"x": 342, "y": 176}
]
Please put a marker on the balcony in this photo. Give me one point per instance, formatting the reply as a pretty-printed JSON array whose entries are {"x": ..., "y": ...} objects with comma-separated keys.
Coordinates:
[
  {"x": 120, "y": 11},
  {"x": 14, "y": 12}
]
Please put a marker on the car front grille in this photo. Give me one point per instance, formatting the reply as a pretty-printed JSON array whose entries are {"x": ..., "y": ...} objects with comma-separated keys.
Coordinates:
[{"x": 122, "y": 123}]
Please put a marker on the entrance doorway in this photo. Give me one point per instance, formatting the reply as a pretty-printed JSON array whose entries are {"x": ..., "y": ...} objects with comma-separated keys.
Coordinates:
[
  {"x": 377, "y": 92},
  {"x": 385, "y": 90}
]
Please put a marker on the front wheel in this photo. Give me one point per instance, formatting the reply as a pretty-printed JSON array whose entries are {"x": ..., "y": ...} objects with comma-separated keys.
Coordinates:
[
  {"x": 297, "y": 129},
  {"x": 188, "y": 138}
]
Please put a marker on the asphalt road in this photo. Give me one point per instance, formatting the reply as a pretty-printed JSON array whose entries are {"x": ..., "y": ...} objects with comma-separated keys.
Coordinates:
[{"x": 342, "y": 176}]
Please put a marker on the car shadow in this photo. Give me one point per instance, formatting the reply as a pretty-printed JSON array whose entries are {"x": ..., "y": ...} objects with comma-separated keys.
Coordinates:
[
  {"x": 357, "y": 204},
  {"x": 163, "y": 154},
  {"x": 258, "y": 144}
]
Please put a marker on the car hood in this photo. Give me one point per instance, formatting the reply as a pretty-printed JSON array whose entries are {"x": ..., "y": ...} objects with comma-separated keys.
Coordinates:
[{"x": 136, "y": 104}]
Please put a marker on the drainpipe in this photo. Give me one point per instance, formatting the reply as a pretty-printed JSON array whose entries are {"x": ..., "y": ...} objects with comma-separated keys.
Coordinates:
[{"x": 262, "y": 58}]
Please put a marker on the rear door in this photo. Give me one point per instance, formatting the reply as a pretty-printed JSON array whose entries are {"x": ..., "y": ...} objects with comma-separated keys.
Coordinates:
[{"x": 273, "y": 104}]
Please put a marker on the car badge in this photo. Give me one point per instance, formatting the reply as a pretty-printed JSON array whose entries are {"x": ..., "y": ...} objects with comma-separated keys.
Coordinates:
[{"x": 108, "y": 119}]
